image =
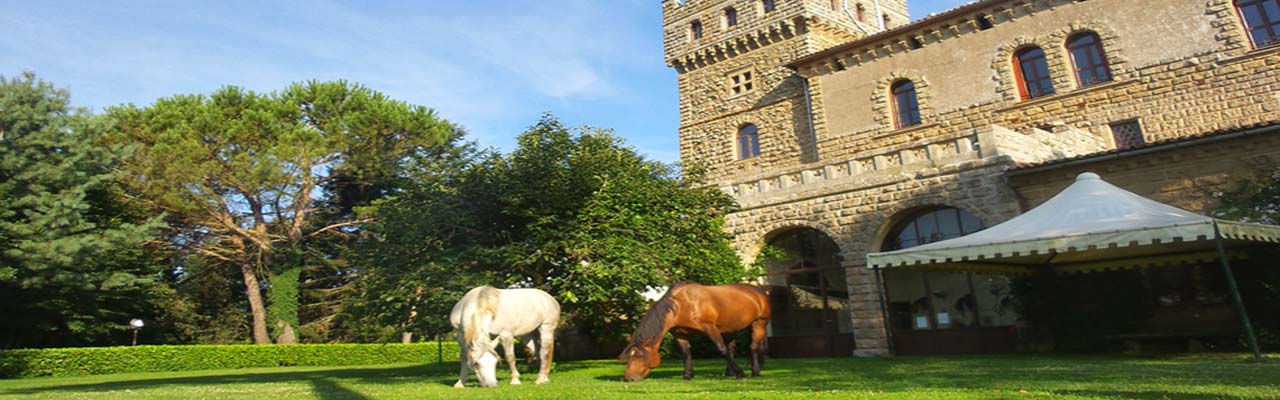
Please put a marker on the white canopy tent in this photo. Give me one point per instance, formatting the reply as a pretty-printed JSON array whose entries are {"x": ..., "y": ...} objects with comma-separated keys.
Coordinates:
[{"x": 1090, "y": 226}]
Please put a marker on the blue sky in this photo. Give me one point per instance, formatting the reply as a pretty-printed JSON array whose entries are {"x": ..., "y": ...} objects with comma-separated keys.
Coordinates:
[{"x": 493, "y": 66}]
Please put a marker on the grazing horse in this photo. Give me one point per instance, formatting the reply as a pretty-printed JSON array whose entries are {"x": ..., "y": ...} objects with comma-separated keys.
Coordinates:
[
  {"x": 484, "y": 312},
  {"x": 688, "y": 308}
]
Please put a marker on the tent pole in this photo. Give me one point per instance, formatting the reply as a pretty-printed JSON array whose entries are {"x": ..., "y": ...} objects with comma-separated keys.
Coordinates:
[
  {"x": 884, "y": 311},
  {"x": 1237, "y": 301}
]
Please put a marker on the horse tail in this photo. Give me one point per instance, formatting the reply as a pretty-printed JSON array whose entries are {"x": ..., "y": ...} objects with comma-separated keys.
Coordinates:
[{"x": 482, "y": 313}]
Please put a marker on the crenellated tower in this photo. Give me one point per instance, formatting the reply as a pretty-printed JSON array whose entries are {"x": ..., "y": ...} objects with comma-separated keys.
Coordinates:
[{"x": 742, "y": 111}]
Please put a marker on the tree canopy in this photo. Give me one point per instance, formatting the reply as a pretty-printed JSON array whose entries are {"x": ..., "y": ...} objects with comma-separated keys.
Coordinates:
[
  {"x": 239, "y": 173},
  {"x": 571, "y": 211},
  {"x": 73, "y": 269}
]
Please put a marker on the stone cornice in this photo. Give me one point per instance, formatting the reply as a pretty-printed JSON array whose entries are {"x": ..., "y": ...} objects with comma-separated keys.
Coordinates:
[
  {"x": 704, "y": 54},
  {"x": 924, "y": 32}
]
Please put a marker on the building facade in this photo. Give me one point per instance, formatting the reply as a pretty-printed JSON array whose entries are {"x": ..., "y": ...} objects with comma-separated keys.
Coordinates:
[{"x": 843, "y": 128}]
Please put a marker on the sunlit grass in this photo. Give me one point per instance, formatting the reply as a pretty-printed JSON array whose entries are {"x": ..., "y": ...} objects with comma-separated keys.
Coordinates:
[{"x": 1227, "y": 377}]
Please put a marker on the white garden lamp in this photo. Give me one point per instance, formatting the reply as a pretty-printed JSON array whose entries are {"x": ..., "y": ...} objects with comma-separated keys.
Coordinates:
[{"x": 136, "y": 325}]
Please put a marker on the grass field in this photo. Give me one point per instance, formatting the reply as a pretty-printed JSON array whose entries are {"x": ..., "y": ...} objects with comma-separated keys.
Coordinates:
[{"x": 904, "y": 377}]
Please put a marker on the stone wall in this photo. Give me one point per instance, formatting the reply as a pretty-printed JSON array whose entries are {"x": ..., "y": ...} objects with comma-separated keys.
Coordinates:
[
  {"x": 832, "y": 160},
  {"x": 1183, "y": 176},
  {"x": 1191, "y": 83}
]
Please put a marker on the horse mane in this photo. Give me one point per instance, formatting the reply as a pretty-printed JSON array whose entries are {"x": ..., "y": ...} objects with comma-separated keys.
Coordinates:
[
  {"x": 651, "y": 324},
  {"x": 486, "y": 304}
]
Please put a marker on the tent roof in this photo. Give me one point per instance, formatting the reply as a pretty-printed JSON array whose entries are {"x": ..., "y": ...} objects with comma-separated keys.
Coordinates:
[{"x": 1089, "y": 225}]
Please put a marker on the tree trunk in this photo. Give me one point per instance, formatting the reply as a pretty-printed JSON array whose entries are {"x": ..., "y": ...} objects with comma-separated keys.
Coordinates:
[
  {"x": 407, "y": 336},
  {"x": 255, "y": 305},
  {"x": 282, "y": 295}
]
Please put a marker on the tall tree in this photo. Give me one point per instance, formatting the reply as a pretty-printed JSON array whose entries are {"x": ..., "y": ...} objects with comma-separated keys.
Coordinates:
[
  {"x": 72, "y": 264},
  {"x": 239, "y": 173}
]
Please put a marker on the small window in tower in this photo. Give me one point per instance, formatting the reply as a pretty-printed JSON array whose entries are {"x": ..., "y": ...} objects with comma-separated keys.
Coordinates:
[
  {"x": 768, "y": 5},
  {"x": 695, "y": 30},
  {"x": 748, "y": 142},
  {"x": 730, "y": 17},
  {"x": 740, "y": 82},
  {"x": 1127, "y": 134}
]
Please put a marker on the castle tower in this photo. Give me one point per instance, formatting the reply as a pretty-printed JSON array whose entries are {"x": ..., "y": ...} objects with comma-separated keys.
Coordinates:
[{"x": 741, "y": 108}]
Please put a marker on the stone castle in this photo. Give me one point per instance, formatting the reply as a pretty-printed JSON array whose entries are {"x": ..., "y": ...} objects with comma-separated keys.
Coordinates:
[{"x": 842, "y": 127}]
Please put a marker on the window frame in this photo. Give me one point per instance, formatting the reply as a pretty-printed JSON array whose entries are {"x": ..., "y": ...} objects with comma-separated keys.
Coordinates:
[
  {"x": 741, "y": 82},
  {"x": 1101, "y": 64},
  {"x": 695, "y": 30},
  {"x": 748, "y": 149},
  {"x": 900, "y": 90},
  {"x": 1127, "y": 140},
  {"x": 730, "y": 16},
  {"x": 1271, "y": 23},
  {"x": 892, "y": 241},
  {"x": 767, "y": 6},
  {"x": 1020, "y": 74}
]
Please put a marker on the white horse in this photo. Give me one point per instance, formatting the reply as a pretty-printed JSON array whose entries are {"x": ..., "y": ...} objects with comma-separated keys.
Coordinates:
[{"x": 485, "y": 312}]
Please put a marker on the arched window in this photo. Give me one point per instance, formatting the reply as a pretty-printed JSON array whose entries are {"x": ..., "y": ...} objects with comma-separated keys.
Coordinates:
[
  {"x": 929, "y": 311},
  {"x": 1033, "y": 73},
  {"x": 1088, "y": 58},
  {"x": 695, "y": 30},
  {"x": 730, "y": 17},
  {"x": 748, "y": 142},
  {"x": 1262, "y": 20},
  {"x": 906, "y": 108},
  {"x": 931, "y": 226}
]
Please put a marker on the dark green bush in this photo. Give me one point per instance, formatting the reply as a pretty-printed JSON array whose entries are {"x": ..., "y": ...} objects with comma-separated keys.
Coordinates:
[{"x": 111, "y": 360}]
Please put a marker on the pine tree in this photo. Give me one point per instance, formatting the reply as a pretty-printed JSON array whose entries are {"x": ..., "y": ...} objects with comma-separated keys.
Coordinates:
[{"x": 72, "y": 265}]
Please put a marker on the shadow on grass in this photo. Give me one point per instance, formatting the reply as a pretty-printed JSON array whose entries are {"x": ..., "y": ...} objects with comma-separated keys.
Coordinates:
[
  {"x": 1114, "y": 377},
  {"x": 324, "y": 382},
  {"x": 327, "y": 389},
  {"x": 1060, "y": 375}
]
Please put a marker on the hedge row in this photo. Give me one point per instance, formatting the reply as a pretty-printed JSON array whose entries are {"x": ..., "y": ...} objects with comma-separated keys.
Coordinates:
[{"x": 111, "y": 360}]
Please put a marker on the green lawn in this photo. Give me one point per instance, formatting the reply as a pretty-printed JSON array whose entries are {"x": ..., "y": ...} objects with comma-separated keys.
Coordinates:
[{"x": 903, "y": 377}]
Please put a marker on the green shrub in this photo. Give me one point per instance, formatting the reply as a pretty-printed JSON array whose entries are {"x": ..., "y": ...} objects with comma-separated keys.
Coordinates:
[{"x": 111, "y": 360}]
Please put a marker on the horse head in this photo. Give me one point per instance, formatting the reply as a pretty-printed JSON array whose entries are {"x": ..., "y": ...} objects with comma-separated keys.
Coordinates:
[
  {"x": 482, "y": 356},
  {"x": 641, "y": 357}
]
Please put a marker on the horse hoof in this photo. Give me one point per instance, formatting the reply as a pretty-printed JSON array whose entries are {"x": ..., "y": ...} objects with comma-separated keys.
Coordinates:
[
  {"x": 515, "y": 381},
  {"x": 459, "y": 385},
  {"x": 541, "y": 381}
]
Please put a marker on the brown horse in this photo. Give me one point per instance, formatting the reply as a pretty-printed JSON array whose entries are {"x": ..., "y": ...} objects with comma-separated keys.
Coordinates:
[{"x": 688, "y": 308}]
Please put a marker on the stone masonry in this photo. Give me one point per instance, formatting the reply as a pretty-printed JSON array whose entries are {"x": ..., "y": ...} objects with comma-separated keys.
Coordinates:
[{"x": 832, "y": 159}]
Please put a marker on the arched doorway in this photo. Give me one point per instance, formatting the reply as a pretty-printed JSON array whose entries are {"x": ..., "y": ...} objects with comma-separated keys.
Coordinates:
[
  {"x": 810, "y": 297},
  {"x": 944, "y": 312}
]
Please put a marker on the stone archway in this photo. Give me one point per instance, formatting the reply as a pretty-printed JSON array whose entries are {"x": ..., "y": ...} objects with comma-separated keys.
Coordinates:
[{"x": 809, "y": 292}]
